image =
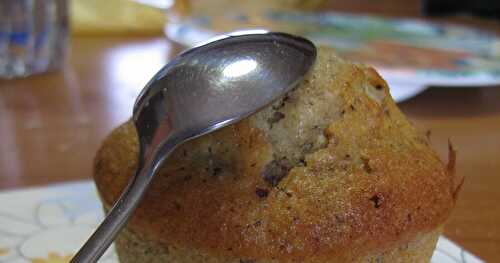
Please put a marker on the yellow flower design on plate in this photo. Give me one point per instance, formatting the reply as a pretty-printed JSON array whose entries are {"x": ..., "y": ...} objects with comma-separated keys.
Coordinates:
[
  {"x": 3, "y": 251},
  {"x": 53, "y": 258}
]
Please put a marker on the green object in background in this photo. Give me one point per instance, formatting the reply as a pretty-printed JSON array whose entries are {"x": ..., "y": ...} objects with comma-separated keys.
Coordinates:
[{"x": 402, "y": 50}]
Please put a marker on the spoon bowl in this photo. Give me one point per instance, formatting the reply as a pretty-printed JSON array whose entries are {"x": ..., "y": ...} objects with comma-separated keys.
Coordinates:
[
  {"x": 202, "y": 90},
  {"x": 221, "y": 82}
]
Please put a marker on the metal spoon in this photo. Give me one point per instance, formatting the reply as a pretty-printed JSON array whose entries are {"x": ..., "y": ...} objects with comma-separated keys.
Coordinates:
[{"x": 202, "y": 90}]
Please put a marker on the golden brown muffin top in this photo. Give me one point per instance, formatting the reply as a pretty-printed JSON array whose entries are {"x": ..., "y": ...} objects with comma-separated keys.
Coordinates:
[{"x": 333, "y": 170}]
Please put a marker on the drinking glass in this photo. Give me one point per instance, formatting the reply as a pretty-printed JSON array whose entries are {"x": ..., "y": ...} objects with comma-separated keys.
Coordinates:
[{"x": 33, "y": 36}]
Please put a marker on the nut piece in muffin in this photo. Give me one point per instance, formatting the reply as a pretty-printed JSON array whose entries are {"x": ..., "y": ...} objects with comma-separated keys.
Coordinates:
[{"x": 332, "y": 172}]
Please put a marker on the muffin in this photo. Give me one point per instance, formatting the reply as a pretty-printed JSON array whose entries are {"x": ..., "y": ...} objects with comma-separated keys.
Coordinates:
[{"x": 332, "y": 172}]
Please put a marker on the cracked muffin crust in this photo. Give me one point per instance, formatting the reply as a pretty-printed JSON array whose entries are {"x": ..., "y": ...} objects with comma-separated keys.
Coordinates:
[{"x": 332, "y": 172}]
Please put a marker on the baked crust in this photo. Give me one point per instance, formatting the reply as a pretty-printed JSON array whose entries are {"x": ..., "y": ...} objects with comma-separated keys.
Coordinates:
[
  {"x": 331, "y": 173},
  {"x": 132, "y": 248}
]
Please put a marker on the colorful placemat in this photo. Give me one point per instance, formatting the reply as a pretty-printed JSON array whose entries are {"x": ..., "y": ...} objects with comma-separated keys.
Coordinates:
[
  {"x": 410, "y": 54},
  {"x": 49, "y": 224}
]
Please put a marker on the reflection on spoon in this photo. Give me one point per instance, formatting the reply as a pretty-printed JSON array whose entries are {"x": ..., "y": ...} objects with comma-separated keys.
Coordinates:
[{"x": 239, "y": 68}]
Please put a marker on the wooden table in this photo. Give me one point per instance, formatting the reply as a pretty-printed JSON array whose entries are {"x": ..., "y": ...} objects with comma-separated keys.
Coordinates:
[{"x": 52, "y": 124}]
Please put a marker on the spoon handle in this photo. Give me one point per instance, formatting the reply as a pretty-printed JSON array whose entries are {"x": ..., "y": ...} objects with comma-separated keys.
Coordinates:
[{"x": 116, "y": 219}]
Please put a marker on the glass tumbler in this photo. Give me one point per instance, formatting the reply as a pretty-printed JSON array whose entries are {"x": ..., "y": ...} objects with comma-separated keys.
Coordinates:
[{"x": 33, "y": 36}]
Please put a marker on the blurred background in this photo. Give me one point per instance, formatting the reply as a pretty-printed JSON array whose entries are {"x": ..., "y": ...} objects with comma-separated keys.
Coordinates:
[{"x": 71, "y": 70}]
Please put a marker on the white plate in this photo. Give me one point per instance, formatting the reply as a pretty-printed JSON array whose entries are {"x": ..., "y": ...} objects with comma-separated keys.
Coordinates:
[{"x": 49, "y": 224}]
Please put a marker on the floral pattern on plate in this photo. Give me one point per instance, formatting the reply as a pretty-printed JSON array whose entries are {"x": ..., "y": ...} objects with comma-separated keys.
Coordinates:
[{"x": 49, "y": 224}]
